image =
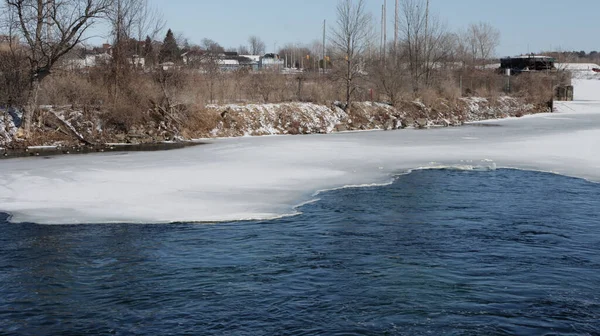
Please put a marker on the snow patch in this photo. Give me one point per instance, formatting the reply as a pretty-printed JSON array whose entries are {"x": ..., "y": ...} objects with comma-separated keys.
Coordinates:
[
  {"x": 482, "y": 109},
  {"x": 577, "y": 66},
  {"x": 8, "y": 130},
  {"x": 275, "y": 119}
]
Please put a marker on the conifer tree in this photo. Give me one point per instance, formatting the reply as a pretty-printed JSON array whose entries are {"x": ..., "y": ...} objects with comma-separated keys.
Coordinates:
[
  {"x": 169, "y": 51},
  {"x": 149, "y": 51}
]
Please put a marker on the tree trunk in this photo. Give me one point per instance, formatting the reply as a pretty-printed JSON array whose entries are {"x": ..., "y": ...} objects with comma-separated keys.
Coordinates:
[
  {"x": 348, "y": 84},
  {"x": 30, "y": 108}
]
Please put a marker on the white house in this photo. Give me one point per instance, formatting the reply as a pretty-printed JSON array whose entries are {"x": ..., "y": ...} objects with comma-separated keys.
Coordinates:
[
  {"x": 271, "y": 61},
  {"x": 228, "y": 64}
]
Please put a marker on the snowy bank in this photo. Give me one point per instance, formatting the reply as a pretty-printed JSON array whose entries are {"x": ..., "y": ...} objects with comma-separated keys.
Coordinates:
[
  {"x": 66, "y": 126},
  {"x": 309, "y": 118},
  {"x": 7, "y": 128}
]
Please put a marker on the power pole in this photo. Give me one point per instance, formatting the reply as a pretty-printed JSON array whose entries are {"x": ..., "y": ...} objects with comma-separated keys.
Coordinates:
[
  {"x": 396, "y": 20},
  {"x": 324, "y": 47},
  {"x": 426, "y": 26},
  {"x": 427, "y": 43},
  {"x": 384, "y": 30}
]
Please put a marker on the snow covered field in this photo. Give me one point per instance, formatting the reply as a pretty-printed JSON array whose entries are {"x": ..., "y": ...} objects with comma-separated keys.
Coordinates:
[{"x": 266, "y": 177}]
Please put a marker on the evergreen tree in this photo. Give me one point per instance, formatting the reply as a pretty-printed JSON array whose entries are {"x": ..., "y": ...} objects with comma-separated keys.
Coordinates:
[
  {"x": 148, "y": 52},
  {"x": 169, "y": 51}
]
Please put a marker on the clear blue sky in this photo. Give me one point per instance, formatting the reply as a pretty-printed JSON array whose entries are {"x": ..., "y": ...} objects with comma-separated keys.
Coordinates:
[{"x": 526, "y": 25}]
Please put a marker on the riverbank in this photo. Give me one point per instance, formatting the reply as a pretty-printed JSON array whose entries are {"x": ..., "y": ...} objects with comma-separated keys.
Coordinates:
[
  {"x": 67, "y": 130},
  {"x": 236, "y": 120}
]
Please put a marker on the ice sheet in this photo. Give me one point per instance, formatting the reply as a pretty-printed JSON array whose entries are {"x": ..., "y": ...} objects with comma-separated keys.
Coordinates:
[{"x": 266, "y": 177}]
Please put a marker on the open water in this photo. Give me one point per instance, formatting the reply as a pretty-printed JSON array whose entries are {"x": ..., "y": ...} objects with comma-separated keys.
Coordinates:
[{"x": 438, "y": 252}]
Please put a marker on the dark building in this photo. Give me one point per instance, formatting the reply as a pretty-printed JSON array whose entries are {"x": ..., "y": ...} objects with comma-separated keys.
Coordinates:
[{"x": 527, "y": 63}]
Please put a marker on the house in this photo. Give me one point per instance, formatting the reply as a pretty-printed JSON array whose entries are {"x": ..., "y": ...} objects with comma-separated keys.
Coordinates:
[
  {"x": 192, "y": 57},
  {"x": 227, "y": 65},
  {"x": 166, "y": 66},
  {"x": 137, "y": 61},
  {"x": 230, "y": 54},
  {"x": 81, "y": 62},
  {"x": 251, "y": 62},
  {"x": 104, "y": 49},
  {"x": 271, "y": 61},
  {"x": 231, "y": 61},
  {"x": 84, "y": 59}
]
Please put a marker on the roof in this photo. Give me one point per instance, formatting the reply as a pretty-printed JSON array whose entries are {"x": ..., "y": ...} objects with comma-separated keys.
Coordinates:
[
  {"x": 229, "y": 62},
  {"x": 254, "y": 58},
  {"x": 538, "y": 57},
  {"x": 193, "y": 52}
]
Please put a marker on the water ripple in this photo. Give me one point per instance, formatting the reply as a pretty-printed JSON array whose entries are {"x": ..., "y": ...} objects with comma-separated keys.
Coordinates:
[{"x": 437, "y": 252}]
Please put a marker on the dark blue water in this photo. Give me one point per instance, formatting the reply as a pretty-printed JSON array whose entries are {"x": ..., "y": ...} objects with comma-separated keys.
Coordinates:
[{"x": 438, "y": 253}]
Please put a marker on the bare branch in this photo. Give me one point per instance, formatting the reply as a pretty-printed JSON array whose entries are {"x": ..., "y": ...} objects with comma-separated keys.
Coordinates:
[{"x": 350, "y": 38}]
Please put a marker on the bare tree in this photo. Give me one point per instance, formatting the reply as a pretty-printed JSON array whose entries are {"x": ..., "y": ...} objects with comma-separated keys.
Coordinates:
[
  {"x": 481, "y": 40},
  {"x": 412, "y": 26},
  {"x": 50, "y": 29},
  {"x": 210, "y": 64},
  {"x": 266, "y": 84},
  {"x": 243, "y": 50},
  {"x": 13, "y": 65},
  {"x": 150, "y": 22},
  {"x": 425, "y": 40},
  {"x": 131, "y": 21},
  {"x": 390, "y": 76},
  {"x": 350, "y": 39},
  {"x": 257, "y": 46},
  {"x": 122, "y": 15}
]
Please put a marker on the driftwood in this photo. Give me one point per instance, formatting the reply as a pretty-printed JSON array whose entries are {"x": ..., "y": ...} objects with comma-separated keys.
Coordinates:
[{"x": 168, "y": 113}]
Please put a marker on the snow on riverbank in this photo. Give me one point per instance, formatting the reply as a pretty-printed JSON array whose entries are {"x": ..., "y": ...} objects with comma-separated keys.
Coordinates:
[
  {"x": 64, "y": 126},
  {"x": 7, "y": 128},
  {"x": 272, "y": 119},
  {"x": 483, "y": 109},
  {"x": 266, "y": 177},
  {"x": 309, "y": 118}
]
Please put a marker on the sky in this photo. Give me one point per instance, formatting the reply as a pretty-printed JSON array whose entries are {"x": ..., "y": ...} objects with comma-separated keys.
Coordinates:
[{"x": 525, "y": 25}]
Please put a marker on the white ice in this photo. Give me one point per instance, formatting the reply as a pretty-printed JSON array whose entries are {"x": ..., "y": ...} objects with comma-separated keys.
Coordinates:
[{"x": 266, "y": 177}]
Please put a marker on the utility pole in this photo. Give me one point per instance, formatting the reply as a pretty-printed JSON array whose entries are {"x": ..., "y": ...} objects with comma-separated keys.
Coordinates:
[
  {"x": 427, "y": 43},
  {"x": 384, "y": 30},
  {"x": 324, "y": 47},
  {"x": 396, "y": 21},
  {"x": 427, "y": 18}
]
